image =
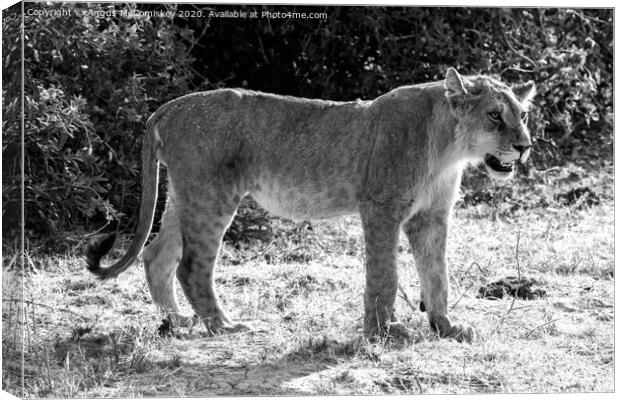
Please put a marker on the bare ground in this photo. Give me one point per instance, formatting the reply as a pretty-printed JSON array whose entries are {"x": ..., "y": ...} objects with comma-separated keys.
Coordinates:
[{"x": 303, "y": 294}]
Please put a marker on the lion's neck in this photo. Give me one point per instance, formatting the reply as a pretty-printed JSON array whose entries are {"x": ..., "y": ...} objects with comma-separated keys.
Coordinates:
[{"x": 446, "y": 146}]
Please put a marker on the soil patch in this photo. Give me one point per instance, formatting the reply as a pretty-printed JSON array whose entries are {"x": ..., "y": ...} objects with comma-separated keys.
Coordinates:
[{"x": 511, "y": 286}]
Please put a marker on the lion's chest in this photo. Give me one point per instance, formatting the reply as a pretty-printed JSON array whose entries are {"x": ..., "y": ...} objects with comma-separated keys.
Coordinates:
[{"x": 437, "y": 193}]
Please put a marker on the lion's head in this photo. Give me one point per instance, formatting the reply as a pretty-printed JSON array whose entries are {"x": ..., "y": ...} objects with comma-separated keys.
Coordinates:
[{"x": 492, "y": 120}]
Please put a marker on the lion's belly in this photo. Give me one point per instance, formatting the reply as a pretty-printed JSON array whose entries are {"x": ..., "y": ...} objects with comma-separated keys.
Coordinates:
[{"x": 306, "y": 202}]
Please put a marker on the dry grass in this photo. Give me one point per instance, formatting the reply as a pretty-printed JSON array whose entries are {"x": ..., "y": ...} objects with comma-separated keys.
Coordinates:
[{"x": 303, "y": 293}]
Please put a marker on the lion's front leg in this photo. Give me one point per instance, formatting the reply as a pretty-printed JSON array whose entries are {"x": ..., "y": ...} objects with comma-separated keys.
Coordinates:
[
  {"x": 381, "y": 231},
  {"x": 427, "y": 232}
]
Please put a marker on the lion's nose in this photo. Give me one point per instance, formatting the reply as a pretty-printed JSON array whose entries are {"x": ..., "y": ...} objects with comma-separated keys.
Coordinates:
[{"x": 521, "y": 148}]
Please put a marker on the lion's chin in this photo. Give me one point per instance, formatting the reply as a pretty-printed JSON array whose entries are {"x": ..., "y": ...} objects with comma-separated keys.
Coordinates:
[{"x": 497, "y": 169}]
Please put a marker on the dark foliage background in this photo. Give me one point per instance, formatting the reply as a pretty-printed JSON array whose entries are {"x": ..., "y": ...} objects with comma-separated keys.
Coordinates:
[{"x": 91, "y": 83}]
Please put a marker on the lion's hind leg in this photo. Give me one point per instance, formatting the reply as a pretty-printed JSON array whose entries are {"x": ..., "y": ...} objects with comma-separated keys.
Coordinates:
[
  {"x": 204, "y": 219},
  {"x": 161, "y": 258}
]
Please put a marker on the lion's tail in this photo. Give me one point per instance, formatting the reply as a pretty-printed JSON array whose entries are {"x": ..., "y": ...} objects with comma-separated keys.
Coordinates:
[{"x": 150, "y": 177}]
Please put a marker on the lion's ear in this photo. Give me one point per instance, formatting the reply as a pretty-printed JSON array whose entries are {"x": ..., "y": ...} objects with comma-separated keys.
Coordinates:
[
  {"x": 456, "y": 92},
  {"x": 525, "y": 92},
  {"x": 454, "y": 83}
]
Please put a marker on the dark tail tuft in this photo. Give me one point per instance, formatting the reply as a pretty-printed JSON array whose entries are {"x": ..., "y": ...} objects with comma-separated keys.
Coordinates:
[{"x": 95, "y": 252}]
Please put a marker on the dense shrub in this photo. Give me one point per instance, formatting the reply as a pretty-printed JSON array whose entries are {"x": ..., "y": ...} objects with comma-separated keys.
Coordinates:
[
  {"x": 11, "y": 131},
  {"x": 91, "y": 82}
]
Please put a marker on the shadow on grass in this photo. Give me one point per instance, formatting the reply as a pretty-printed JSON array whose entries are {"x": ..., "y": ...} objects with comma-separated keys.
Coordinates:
[
  {"x": 310, "y": 367},
  {"x": 213, "y": 366}
]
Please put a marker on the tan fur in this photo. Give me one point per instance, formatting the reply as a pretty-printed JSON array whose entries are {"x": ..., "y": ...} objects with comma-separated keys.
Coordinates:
[{"x": 397, "y": 160}]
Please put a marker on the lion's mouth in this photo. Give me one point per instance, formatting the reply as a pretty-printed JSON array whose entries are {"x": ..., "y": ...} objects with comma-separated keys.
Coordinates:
[{"x": 496, "y": 165}]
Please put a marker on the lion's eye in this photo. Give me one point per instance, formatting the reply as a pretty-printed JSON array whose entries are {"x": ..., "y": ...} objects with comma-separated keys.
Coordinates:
[{"x": 494, "y": 115}]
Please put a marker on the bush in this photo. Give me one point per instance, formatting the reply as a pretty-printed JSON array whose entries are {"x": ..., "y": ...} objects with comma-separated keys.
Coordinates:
[{"x": 90, "y": 84}]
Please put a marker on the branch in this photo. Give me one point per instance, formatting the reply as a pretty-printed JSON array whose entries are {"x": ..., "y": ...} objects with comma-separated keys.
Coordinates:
[
  {"x": 540, "y": 326},
  {"x": 42, "y": 305},
  {"x": 406, "y": 298},
  {"x": 518, "y": 274},
  {"x": 526, "y": 58}
]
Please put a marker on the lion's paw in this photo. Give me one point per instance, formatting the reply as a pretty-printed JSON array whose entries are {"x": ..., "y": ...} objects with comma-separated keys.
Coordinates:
[
  {"x": 397, "y": 330},
  {"x": 184, "y": 321},
  {"x": 392, "y": 330},
  {"x": 460, "y": 332},
  {"x": 240, "y": 327},
  {"x": 173, "y": 321},
  {"x": 228, "y": 327},
  {"x": 446, "y": 329}
]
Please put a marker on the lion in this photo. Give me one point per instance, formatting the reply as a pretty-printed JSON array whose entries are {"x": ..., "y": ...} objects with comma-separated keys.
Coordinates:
[{"x": 396, "y": 160}]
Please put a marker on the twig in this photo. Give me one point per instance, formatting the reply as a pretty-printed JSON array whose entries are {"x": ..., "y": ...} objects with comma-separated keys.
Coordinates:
[
  {"x": 512, "y": 303},
  {"x": 195, "y": 41},
  {"x": 13, "y": 260},
  {"x": 527, "y": 71},
  {"x": 587, "y": 17},
  {"x": 169, "y": 374},
  {"x": 262, "y": 50},
  {"x": 34, "y": 328},
  {"x": 406, "y": 298},
  {"x": 307, "y": 42},
  {"x": 479, "y": 267},
  {"x": 316, "y": 239},
  {"x": 42, "y": 305},
  {"x": 526, "y": 58},
  {"x": 462, "y": 295},
  {"x": 455, "y": 282},
  {"x": 549, "y": 170},
  {"x": 204, "y": 79},
  {"x": 399, "y": 38},
  {"x": 521, "y": 308},
  {"x": 518, "y": 273},
  {"x": 90, "y": 235},
  {"x": 477, "y": 34},
  {"x": 540, "y": 326},
  {"x": 517, "y": 256},
  {"x": 33, "y": 269},
  {"x": 470, "y": 285},
  {"x": 10, "y": 322},
  {"x": 417, "y": 381}
]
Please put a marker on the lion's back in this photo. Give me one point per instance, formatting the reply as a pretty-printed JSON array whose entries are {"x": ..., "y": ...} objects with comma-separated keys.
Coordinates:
[{"x": 311, "y": 150}]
